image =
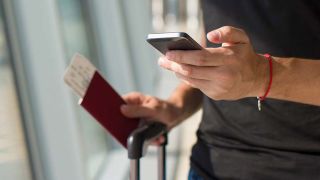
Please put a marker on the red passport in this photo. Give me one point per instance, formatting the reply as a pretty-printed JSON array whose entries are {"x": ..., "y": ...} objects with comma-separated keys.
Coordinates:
[{"x": 103, "y": 103}]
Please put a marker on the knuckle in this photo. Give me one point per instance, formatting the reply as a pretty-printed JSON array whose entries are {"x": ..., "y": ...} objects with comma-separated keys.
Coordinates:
[
  {"x": 149, "y": 99},
  {"x": 188, "y": 71},
  {"x": 200, "y": 62},
  {"x": 201, "y": 59},
  {"x": 168, "y": 65},
  {"x": 191, "y": 82},
  {"x": 227, "y": 30},
  {"x": 177, "y": 75},
  {"x": 178, "y": 57},
  {"x": 131, "y": 94},
  {"x": 154, "y": 103}
]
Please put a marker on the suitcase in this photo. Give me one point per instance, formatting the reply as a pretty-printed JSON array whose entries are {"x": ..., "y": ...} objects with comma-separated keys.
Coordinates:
[{"x": 137, "y": 144}]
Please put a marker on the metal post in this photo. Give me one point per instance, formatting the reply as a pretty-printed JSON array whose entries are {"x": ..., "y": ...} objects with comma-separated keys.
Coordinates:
[
  {"x": 134, "y": 169},
  {"x": 162, "y": 162}
]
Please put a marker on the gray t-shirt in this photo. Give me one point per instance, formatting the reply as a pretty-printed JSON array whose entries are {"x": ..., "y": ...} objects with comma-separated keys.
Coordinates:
[{"x": 235, "y": 140}]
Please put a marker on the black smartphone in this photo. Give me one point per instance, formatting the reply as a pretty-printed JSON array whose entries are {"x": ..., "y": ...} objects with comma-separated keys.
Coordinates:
[{"x": 164, "y": 42}]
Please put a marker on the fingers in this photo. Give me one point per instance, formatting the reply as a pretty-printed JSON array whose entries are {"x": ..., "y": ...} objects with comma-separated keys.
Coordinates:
[
  {"x": 136, "y": 111},
  {"x": 196, "y": 72},
  {"x": 175, "y": 67},
  {"x": 198, "y": 57},
  {"x": 228, "y": 34},
  {"x": 196, "y": 83},
  {"x": 133, "y": 98}
]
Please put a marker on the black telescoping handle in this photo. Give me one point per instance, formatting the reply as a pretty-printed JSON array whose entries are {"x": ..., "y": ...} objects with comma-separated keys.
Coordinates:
[{"x": 140, "y": 138}]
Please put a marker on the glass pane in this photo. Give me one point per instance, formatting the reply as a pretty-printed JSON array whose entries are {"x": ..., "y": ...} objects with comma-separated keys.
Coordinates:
[
  {"x": 14, "y": 163},
  {"x": 73, "y": 27},
  {"x": 77, "y": 39}
]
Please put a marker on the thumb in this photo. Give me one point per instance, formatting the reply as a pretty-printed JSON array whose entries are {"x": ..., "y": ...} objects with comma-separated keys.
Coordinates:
[{"x": 228, "y": 34}]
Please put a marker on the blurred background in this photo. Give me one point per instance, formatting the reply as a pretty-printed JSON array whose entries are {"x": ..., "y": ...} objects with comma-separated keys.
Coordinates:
[{"x": 44, "y": 134}]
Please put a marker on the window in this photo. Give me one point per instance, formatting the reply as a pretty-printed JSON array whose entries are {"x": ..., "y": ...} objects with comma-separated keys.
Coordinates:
[
  {"x": 64, "y": 141},
  {"x": 76, "y": 38},
  {"x": 14, "y": 162}
]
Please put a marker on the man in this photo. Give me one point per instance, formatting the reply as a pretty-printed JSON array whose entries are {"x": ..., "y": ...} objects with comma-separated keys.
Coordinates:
[{"x": 235, "y": 139}]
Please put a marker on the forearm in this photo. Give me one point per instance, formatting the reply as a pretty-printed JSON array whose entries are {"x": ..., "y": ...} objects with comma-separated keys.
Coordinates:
[
  {"x": 296, "y": 79},
  {"x": 187, "y": 101}
]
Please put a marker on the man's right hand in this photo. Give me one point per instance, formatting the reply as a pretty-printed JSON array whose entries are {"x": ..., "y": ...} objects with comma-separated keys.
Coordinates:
[{"x": 151, "y": 108}]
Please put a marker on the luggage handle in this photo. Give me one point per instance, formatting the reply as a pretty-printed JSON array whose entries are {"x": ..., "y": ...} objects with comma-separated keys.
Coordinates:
[
  {"x": 137, "y": 144},
  {"x": 140, "y": 138}
]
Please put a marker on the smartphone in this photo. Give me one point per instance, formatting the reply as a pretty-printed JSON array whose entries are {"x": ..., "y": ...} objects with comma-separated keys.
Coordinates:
[{"x": 164, "y": 42}]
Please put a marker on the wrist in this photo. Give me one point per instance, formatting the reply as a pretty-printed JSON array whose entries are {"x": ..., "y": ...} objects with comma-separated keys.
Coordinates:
[
  {"x": 175, "y": 111},
  {"x": 262, "y": 78},
  {"x": 183, "y": 102}
]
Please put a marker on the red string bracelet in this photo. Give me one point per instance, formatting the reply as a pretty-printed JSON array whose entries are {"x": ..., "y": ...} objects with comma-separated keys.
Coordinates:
[{"x": 262, "y": 98}]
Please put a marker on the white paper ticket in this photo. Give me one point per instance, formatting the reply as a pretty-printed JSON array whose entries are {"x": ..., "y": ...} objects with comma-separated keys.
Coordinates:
[{"x": 79, "y": 74}]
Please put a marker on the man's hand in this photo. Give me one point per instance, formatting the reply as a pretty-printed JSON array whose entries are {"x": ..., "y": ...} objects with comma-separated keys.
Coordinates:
[
  {"x": 230, "y": 72},
  {"x": 149, "y": 107}
]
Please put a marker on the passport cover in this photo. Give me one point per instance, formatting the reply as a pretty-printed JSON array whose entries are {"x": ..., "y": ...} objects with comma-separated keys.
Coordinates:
[{"x": 103, "y": 103}]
